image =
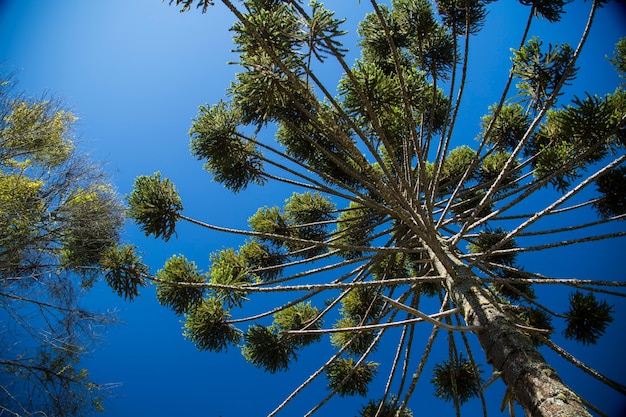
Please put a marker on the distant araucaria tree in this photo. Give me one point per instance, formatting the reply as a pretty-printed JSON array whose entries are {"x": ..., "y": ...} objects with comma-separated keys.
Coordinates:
[{"x": 389, "y": 220}]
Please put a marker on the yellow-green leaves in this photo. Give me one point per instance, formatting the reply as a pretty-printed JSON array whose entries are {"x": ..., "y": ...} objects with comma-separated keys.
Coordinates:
[
  {"x": 263, "y": 261},
  {"x": 357, "y": 341},
  {"x": 94, "y": 218},
  {"x": 492, "y": 166},
  {"x": 37, "y": 130},
  {"x": 462, "y": 16},
  {"x": 580, "y": 134},
  {"x": 51, "y": 198},
  {"x": 21, "y": 213},
  {"x": 20, "y": 201},
  {"x": 269, "y": 221},
  {"x": 362, "y": 304},
  {"x": 359, "y": 306},
  {"x": 321, "y": 32},
  {"x": 458, "y": 161},
  {"x": 307, "y": 215},
  {"x": 420, "y": 40}
]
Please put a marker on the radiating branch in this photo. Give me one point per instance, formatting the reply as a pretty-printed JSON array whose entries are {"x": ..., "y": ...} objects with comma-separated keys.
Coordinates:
[{"x": 429, "y": 318}]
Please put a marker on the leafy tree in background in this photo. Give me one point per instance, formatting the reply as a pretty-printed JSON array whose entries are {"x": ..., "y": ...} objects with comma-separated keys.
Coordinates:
[
  {"x": 59, "y": 220},
  {"x": 392, "y": 228}
]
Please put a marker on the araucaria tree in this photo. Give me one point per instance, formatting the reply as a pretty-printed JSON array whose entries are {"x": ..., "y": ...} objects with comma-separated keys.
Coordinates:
[
  {"x": 59, "y": 221},
  {"x": 392, "y": 227}
]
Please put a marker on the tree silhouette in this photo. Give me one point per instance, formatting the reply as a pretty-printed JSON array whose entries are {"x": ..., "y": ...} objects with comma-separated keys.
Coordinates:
[{"x": 389, "y": 218}]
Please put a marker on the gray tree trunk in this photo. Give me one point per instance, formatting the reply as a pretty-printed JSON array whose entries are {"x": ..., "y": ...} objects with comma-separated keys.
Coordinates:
[{"x": 535, "y": 385}]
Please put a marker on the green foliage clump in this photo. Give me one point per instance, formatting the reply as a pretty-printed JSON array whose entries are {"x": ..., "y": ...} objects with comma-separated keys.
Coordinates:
[
  {"x": 458, "y": 161},
  {"x": 207, "y": 327},
  {"x": 227, "y": 268},
  {"x": 307, "y": 215},
  {"x": 155, "y": 205},
  {"x": 37, "y": 132},
  {"x": 302, "y": 223},
  {"x": 94, "y": 218},
  {"x": 549, "y": 10},
  {"x": 22, "y": 208},
  {"x": 465, "y": 204},
  {"x": 487, "y": 239},
  {"x": 272, "y": 347},
  {"x": 232, "y": 160},
  {"x": 384, "y": 408},
  {"x": 124, "y": 271},
  {"x": 261, "y": 260},
  {"x": 514, "y": 291},
  {"x": 612, "y": 187},
  {"x": 354, "y": 226},
  {"x": 537, "y": 319},
  {"x": 362, "y": 304},
  {"x": 348, "y": 378},
  {"x": 301, "y": 316},
  {"x": 456, "y": 380},
  {"x": 507, "y": 129},
  {"x": 178, "y": 285},
  {"x": 357, "y": 341},
  {"x": 421, "y": 41},
  {"x": 465, "y": 19},
  {"x": 541, "y": 72},
  {"x": 267, "y": 349},
  {"x": 618, "y": 59},
  {"x": 493, "y": 165},
  {"x": 587, "y": 318},
  {"x": 186, "y": 4},
  {"x": 578, "y": 135},
  {"x": 269, "y": 221}
]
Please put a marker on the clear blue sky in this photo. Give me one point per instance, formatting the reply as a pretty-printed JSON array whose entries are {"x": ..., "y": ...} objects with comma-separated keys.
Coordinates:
[{"x": 135, "y": 73}]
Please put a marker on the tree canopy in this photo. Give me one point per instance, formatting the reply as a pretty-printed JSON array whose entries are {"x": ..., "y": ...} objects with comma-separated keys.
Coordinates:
[
  {"x": 393, "y": 228},
  {"x": 60, "y": 224}
]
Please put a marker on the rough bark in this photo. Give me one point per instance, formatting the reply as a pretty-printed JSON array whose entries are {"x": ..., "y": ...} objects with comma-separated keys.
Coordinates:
[{"x": 535, "y": 385}]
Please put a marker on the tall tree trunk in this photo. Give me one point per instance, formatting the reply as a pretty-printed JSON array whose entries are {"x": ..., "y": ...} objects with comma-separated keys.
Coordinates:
[{"x": 535, "y": 385}]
